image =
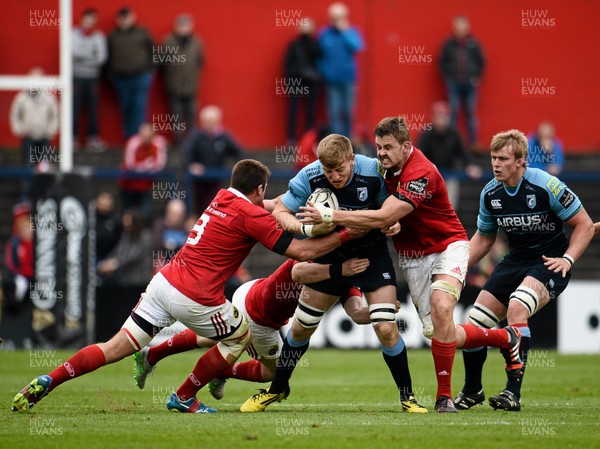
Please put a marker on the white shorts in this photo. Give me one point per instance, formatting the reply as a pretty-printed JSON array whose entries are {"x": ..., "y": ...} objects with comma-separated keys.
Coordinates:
[
  {"x": 419, "y": 271},
  {"x": 162, "y": 304},
  {"x": 266, "y": 341}
]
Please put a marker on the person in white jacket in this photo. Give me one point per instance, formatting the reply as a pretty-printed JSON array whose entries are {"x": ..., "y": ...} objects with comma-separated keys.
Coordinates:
[
  {"x": 34, "y": 118},
  {"x": 89, "y": 54}
]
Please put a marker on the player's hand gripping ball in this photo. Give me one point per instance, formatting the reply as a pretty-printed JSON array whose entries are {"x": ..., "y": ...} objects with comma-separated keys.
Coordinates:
[{"x": 326, "y": 202}]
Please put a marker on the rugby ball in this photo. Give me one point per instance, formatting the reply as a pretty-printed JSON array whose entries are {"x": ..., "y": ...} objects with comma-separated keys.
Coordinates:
[{"x": 324, "y": 196}]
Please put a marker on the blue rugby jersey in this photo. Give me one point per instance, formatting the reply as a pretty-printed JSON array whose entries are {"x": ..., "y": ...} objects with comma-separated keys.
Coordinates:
[{"x": 532, "y": 215}]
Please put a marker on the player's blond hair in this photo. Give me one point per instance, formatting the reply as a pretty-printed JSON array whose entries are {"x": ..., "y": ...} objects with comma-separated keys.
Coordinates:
[
  {"x": 393, "y": 126},
  {"x": 248, "y": 174},
  {"x": 515, "y": 140},
  {"x": 334, "y": 150}
]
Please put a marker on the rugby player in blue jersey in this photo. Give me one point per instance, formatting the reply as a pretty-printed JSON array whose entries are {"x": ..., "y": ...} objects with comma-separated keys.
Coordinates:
[
  {"x": 358, "y": 183},
  {"x": 530, "y": 206}
]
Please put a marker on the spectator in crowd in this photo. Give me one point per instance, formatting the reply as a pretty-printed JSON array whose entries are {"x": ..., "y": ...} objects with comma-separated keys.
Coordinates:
[
  {"x": 34, "y": 118},
  {"x": 308, "y": 145},
  {"x": 546, "y": 150},
  {"x": 183, "y": 58},
  {"x": 169, "y": 233},
  {"x": 89, "y": 54},
  {"x": 130, "y": 50},
  {"x": 443, "y": 146},
  {"x": 209, "y": 147},
  {"x": 17, "y": 270},
  {"x": 130, "y": 262},
  {"x": 362, "y": 142},
  {"x": 339, "y": 43},
  {"x": 145, "y": 154},
  {"x": 300, "y": 67},
  {"x": 108, "y": 225},
  {"x": 462, "y": 63}
]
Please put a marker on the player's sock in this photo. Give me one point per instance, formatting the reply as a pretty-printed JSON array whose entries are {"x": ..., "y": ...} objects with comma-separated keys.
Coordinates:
[
  {"x": 291, "y": 353},
  {"x": 210, "y": 365},
  {"x": 396, "y": 359},
  {"x": 86, "y": 360},
  {"x": 250, "y": 370},
  {"x": 515, "y": 387},
  {"x": 183, "y": 341},
  {"x": 478, "y": 336},
  {"x": 443, "y": 358},
  {"x": 473, "y": 359}
]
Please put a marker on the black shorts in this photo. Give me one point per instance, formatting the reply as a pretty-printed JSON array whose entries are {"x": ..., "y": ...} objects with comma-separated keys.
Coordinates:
[
  {"x": 509, "y": 274},
  {"x": 380, "y": 272}
]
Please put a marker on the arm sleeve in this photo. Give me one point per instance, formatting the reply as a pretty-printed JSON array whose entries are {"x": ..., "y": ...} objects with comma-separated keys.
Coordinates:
[
  {"x": 563, "y": 201},
  {"x": 262, "y": 227},
  {"x": 298, "y": 192},
  {"x": 102, "y": 49},
  {"x": 486, "y": 225},
  {"x": 421, "y": 185},
  {"x": 382, "y": 195},
  {"x": 353, "y": 39}
]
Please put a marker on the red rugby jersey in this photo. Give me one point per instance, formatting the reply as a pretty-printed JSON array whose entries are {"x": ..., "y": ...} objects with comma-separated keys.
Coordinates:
[
  {"x": 433, "y": 224},
  {"x": 221, "y": 239}
]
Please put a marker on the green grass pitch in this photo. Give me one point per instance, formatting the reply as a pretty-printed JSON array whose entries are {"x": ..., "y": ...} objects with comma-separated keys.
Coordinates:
[{"x": 340, "y": 399}]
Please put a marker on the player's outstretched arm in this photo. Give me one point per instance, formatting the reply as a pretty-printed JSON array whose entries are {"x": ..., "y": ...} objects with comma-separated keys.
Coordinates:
[
  {"x": 480, "y": 246},
  {"x": 310, "y": 272},
  {"x": 392, "y": 210},
  {"x": 309, "y": 249}
]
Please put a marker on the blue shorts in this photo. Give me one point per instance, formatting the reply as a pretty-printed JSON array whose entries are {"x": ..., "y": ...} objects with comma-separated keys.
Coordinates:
[
  {"x": 380, "y": 273},
  {"x": 509, "y": 274}
]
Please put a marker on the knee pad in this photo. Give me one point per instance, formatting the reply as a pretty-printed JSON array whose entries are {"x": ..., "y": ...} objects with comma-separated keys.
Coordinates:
[
  {"x": 527, "y": 297},
  {"x": 382, "y": 312},
  {"x": 308, "y": 316},
  {"x": 446, "y": 287},
  {"x": 481, "y": 316},
  {"x": 236, "y": 342}
]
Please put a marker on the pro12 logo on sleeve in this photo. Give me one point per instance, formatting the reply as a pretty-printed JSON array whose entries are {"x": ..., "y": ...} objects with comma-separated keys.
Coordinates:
[
  {"x": 567, "y": 198},
  {"x": 417, "y": 186}
]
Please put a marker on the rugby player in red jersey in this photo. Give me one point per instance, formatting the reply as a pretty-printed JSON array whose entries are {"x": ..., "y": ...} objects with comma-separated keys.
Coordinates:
[
  {"x": 190, "y": 288},
  {"x": 268, "y": 304},
  {"x": 433, "y": 251}
]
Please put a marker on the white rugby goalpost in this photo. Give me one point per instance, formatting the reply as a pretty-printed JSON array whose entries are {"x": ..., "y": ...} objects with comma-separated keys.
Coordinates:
[{"x": 62, "y": 83}]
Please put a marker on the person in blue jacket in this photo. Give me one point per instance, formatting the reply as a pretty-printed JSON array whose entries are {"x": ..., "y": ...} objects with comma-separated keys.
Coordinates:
[{"x": 339, "y": 42}]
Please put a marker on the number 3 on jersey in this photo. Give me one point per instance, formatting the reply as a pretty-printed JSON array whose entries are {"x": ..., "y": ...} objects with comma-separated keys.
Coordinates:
[{"x": 199, "y": 228}]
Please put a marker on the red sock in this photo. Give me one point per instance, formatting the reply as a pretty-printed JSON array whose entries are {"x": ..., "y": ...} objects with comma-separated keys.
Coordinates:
[
  {"x": 211, "y": 365},
  {"x": 183, "y": 341},
  {"x": 251, "y": 370},
  {"x": 479, "y": 336},
  {"x": 86, "y": 360},
  {"x": 443, "y": 358}
]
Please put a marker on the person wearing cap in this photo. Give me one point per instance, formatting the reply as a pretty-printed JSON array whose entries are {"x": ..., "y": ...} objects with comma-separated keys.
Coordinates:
[{"x": 130, "y": 50}]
